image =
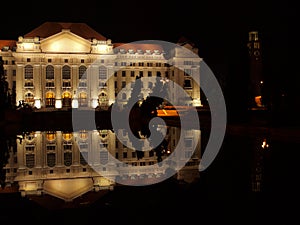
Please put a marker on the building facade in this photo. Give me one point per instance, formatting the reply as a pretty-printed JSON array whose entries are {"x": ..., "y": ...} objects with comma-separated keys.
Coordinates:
[
  {"x": 67, "y": 165},
  {"x": 70, "y": 65}
]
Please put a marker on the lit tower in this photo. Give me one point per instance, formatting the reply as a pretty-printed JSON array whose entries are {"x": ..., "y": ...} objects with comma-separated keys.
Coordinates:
[{"x": 255, "y": 69}]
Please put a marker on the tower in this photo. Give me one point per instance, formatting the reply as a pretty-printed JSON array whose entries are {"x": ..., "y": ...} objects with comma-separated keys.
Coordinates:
[{"x": 255, "y": 70}]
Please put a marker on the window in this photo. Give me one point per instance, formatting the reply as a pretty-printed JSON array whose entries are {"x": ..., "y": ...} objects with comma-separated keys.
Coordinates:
[
  {"x": 82, "y": 84},
  {"x": 68, "y": 158},
  {"x": 49, "y": 60},
  {"x": 50, "y": 147},
  {"x": 51, "y": 159},
  {"x": 66, "y": 60},
  {"x": 66, "y": 72},
  {"x": 188, "y": 63},
  {"x": 28, "y": 60},
  {"x": 49, "y": 72},
  {"x": 83, "y": 158},
  {"x": 28, "y": 72},
  {"x": 102, "y": 73},
  {"x": 187, "y": 83},
  {"x": 123, "y": 73},
  {"x": 81, "y": 72},
  {"x": 29, "y": 147},
  {"x": 102, "y": 84},
  {"x": 103, "y": 157},
  {"x": 66, "y": 84},
  {"x": 83, "y": 134},
  {"x": 132, "y": 73},
  {"x": 149, "y": 73},
  {"x": 14, "y": 72},
  {"x": 123, "y": 84},
  {"x": 50, "y": 84},
  {"x": 30, "y": 160},
  {"x": 50, "y": 99},
  {"x": 28, "y": 84},
  {"x": 188, "y": 143},
  {"x": 50, "y": 135},
  {"x": 83, "y": 102},
  {"x": 29, "y": 98}
]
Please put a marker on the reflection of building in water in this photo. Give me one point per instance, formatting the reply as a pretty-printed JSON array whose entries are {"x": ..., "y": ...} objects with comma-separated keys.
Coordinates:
[
  {"x": 64, "y": 65},
  {"x": 67, "y": 164}
]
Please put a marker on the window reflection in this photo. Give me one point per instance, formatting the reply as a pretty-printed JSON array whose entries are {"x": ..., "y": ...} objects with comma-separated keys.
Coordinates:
[{"x": 65, "y": 164}]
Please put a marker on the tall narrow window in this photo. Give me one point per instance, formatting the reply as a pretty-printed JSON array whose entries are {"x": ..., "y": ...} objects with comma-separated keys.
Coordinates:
[
  {"x": 28, "y": 72},
  {"x": 102, "y": 73},
  {"x": 81, "y": 72},
  {"x": 50, "y": 72},
  {"x": 66, "y": 72}
]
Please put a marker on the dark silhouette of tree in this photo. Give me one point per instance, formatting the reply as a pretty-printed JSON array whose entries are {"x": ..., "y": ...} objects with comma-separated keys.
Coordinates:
[
  {"x": 135, "y": 96},
  {"x": 5, "y": 145},
  {"x": 3, "y": 87},
  {"x": 155, "y": 100}
]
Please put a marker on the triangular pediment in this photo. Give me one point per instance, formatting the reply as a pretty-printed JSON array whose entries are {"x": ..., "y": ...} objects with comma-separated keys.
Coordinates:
[
  {"x": 65, "y": 42},
  {"x": 68, "y": 189}
]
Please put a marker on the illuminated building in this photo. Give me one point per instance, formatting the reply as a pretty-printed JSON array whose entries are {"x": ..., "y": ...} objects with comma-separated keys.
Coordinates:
[
  {"x": 70, "y": 65},
  {"x": 65, "y": 164}
]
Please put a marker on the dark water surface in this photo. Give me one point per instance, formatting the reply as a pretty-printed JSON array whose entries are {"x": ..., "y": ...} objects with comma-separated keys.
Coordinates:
[{"x": 253, "y": 180}]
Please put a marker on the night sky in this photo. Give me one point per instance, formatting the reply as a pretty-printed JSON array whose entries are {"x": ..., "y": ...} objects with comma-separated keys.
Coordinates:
[{"x": 218, "y": 28}]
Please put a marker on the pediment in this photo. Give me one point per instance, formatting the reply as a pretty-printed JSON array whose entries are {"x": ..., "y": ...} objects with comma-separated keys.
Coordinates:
[
  {"x": 65, "y": 42},
  {"x": 68, "y": 189}
]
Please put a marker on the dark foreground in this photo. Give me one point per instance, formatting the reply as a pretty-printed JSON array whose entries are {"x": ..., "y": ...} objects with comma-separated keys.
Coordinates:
[{"x": 222, "y": 195}]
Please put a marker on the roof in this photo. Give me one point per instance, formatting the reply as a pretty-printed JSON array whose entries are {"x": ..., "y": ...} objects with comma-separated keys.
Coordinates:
[
  {"x": 48, "y": 29},
  {"x": 139, "y": 46},
  {"x": 7, "y": 43}
]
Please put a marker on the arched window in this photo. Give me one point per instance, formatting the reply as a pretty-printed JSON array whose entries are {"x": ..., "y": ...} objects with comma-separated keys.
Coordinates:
[
  {"x": 124, "y": 96},
  {"x": 68, "y": 158},
  {"x": 29, "y": 98},
  {"x": 51, "y": 159},
  {"x": 103, "y": 100},
  {"x": 28, "y": 72},
  {"x": 81, "y": 72},
  {"x": 67, "y": 136},
  {"x": 50, "y": 99},
  {"x": 66, "y": 72},
  {"x": 102, "y": 73},
  {"x": 66, "y": 99},
  {"x": 50, "y": 135},
  {"x": 83, "y": 134},
  {"x": 50, "y": 72}
]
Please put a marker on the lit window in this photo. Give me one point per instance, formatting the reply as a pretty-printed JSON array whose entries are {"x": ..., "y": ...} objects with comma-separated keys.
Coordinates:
[{"x": 28, "y": 72}]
